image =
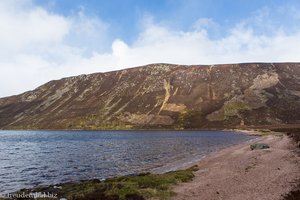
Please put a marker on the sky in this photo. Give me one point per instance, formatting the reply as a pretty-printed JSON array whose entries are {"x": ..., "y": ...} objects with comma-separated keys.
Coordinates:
[{"x": 42, "y": 40}]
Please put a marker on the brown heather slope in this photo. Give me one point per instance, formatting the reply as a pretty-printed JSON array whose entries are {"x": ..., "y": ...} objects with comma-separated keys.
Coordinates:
[{"x": 162, "y": 96}]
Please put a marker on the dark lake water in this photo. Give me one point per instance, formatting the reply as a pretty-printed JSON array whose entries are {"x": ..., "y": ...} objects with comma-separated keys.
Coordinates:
[{"x": 31, "y": 158}]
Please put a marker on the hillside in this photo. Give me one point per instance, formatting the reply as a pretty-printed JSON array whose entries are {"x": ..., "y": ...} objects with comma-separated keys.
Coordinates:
[{"x": 162, "y": 96}]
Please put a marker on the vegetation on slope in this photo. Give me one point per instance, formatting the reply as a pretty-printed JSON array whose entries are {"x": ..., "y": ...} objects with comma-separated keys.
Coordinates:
[{"x": 161, "y": 96}]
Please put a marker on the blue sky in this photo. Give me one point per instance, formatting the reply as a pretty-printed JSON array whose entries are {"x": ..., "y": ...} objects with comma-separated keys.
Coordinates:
[
  {"x": 125, "y": 16},
  {"x": 41, "y": 40}
]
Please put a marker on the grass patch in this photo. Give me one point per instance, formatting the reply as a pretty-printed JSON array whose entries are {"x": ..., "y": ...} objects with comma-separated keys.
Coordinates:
[
  {"x": 263, "y": 132},
  {"x": 137, "y": 187},
  {"x": 232, "y": 108}
]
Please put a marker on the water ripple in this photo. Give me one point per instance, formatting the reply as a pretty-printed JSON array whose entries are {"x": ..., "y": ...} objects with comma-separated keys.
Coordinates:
[{"x": 31, "y": 158}]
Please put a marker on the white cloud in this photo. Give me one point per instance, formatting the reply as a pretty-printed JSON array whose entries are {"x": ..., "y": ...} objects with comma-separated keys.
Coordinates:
[
  {"x": 37, "y": 46},
  {"x": 26, "y": 30},
  {"x": 87, "y": 32}
]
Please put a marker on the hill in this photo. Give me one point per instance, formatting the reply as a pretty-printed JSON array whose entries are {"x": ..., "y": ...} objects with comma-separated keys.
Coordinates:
[{"x": 162, "y": 96}]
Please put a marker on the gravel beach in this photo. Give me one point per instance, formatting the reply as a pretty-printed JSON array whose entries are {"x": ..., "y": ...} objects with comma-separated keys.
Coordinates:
[{"x": 241, "y": 173}]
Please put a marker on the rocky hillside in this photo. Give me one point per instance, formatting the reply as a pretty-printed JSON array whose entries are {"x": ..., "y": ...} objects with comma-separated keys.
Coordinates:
[{"x": 162, "y": 96}]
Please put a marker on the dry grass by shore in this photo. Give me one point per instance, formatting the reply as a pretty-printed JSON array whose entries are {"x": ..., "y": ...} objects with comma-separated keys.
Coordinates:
[
  {"x": 132, "y": 187},
  {"x": 295, "y": 135}
]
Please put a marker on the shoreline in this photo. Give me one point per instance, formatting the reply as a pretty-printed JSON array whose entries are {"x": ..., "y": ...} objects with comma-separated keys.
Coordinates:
[
  {"x": 240, "y": 173},
  {"x": 164, "y": 167},
  {"x": 210, "y": 165},
  {"x": 208, "y": 155}
]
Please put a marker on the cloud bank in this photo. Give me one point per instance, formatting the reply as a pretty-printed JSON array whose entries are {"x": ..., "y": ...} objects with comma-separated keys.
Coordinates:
[{"x": 37, "y": 46}]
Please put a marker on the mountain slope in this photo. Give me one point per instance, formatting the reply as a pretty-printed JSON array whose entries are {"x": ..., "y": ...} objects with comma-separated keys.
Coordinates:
[{"x": 162, "y": 96}]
